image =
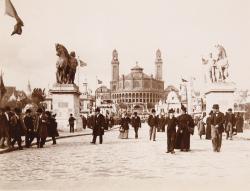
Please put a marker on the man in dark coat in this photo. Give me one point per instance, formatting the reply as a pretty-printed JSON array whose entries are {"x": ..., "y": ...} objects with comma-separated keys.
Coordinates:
[
  {"x": 84, "y": 122},
  {"x": 42, "y": 129},
  {"x": 17, "y": 128},
  {"x": 153, "y": 122},
  {"x": 71, "y": 123},
  {"x": 5, "y": 125},
  {"x": 52, "y": 127},
  {"x": 36, "y": 128},
  {"x": 229, "y": 123},
  {"x": 217, "y": 126},
  {"x": 162, "y": 123},
  {"x": 185, "y": 129},
  {"x": 98, "y": 126},
  {"x": 29, "y": 124},
  {"x": 136, "y": 123},
  {"x": 171, "y": 123}
]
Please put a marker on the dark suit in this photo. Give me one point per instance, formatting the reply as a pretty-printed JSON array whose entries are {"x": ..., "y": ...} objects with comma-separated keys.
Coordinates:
[
  {"x": 98, "y": 128},
  {"x": 217, "y": 126},
  {"x": 162, "y": 123},
  {"x": 171, "y": 133},
  {"x": 29, "y": 124},
  {"x": 5, "y": 129},
  {"x": 229, "y": 124},
  {"x": 153, "y": 122},
  {"x": 136, "y": 123}
]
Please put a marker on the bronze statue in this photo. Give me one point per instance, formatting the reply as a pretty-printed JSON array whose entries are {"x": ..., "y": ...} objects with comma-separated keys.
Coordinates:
[{"x": 66, "y": 65}]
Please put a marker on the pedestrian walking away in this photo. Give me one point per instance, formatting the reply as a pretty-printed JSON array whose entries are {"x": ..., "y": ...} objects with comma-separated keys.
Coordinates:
[
  {"x": 229, "y": 124},
  {"x": 71, "y": 123}
]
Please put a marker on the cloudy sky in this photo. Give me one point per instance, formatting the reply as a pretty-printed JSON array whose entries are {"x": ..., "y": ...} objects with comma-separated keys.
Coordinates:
[{"x": 182, "y": 30}]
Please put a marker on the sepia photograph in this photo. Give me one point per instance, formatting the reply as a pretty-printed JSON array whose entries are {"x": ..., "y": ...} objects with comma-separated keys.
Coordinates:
[{"x": 124, "y": 95}]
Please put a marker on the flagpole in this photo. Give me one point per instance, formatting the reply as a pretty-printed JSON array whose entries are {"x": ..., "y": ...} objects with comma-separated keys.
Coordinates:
[{"x": 78, "y": 73}]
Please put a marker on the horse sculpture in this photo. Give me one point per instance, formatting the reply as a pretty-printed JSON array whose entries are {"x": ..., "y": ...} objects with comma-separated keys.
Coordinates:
[
  {"x": 66, "y": 65},
  {"x": 218, "y": 65}
]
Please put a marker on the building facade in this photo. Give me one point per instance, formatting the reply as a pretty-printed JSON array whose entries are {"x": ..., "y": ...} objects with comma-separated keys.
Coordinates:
[{"x": 137, "y": 88}]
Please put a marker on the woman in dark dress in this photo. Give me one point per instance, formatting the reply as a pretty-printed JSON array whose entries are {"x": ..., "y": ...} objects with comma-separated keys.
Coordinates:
[
  {"x": 52, "y": 127},
  {"x": 208, "y": 126},
  {"x": 185, "y": 129},
  {"x": 125, "y": 120}
]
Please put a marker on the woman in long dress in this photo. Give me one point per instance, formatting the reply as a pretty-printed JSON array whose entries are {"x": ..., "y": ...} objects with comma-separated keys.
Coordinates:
[{"x": 124, "y": 129}]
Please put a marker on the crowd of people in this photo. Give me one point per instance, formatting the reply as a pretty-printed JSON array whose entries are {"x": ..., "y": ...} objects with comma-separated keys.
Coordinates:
[
  {"x": 38, "y": 125},
  {"x": 178, "y": 129},
  {"x": 42, "y": 124}
]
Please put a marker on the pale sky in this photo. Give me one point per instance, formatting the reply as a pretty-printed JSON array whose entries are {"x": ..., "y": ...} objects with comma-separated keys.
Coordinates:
[{"x": 183, "y": 30}]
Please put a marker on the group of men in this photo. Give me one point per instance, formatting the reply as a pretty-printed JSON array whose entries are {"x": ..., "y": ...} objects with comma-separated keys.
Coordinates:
[{"x": 14, "y": 124}]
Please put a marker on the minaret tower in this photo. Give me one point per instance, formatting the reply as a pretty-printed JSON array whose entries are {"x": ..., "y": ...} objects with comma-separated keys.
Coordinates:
[
  {"x": 158, "y": 65},
  {"x": 115, "y": 71},
  {"x": 115, "y": 66}
]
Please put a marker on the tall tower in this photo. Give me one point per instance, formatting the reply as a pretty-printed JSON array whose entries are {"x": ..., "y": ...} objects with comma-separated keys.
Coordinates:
[
  {"x": 158, "y": 65},
  {"x": 115, "y": 66}
]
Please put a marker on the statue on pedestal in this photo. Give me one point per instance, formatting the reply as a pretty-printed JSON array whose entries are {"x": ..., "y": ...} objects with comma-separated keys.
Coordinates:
[
  {"x": 66, "y": 65},
  {"x": 217, "y": 65}
]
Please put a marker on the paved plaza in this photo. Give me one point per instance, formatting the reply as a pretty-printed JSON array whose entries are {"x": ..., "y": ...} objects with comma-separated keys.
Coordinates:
[{"x": 127, "y": 164}]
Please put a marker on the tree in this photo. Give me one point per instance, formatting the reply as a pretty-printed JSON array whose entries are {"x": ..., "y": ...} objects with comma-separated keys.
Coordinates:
[{"x": 38, "y": 96}]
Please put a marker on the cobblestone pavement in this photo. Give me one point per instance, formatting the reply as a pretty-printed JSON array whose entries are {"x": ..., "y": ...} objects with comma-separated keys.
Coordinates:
[{"x": 76, "y": 164}]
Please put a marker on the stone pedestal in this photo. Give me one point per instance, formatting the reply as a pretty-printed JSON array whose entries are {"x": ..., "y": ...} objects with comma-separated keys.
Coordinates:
[
  {"x": 220, "y": 93},
  {"x": 66, "y": 100}
]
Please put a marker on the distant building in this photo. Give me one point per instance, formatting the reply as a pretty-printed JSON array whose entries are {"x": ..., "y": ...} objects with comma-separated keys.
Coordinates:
[
  {"x": 171, "y": 100},
  {"x": 137, "y": 89},
  {"x": 12, "y": 95}
]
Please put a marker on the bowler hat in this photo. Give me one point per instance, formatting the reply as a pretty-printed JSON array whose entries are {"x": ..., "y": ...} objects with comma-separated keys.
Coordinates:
[
  {"x": 97, "y": 109},
  {"x": 230, "y": 109},
  {"x": 153, "y": 111},
  {"x": 171, "y": 110},
  {"x": 215, "y": 106}
]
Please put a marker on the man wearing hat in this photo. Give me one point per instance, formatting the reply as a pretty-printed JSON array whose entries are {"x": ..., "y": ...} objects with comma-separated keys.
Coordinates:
[
  {"x": 153, "y": 124},
  {"x": 29, "y": 124},
  {"x": 171, "y": 123},
  {"x": 229, "y": 123},
  {"x": 98, "y": 126},
  {"x": 71, "y": 123},
  {"x": 6, "y": 133},
  {"x": 39, "y": 113},
  {"x": 217, "y": 127},
  {"x": 136, "y": 123},
  {"x": 17, "y": 128}
]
